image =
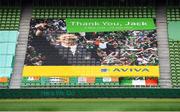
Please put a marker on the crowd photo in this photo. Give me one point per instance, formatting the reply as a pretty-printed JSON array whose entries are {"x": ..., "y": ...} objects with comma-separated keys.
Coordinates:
[{"x": 50, "y": 44}]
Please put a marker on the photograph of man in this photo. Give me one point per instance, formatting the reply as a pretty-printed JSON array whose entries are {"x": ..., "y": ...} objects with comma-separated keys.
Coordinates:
[
  {"x": 51, "y": 45},
  {"x": 69, "y": 52}
]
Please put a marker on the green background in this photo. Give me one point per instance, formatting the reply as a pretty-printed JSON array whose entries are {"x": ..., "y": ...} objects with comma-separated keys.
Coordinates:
[
  {"x": 90, "y": 105},
  {"x": 91, "y": 93},
  {"x": 174, "y": 30},
  {"x": 102, "y": 28}
]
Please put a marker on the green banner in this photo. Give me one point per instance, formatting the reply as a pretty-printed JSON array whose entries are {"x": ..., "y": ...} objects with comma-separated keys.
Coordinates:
[
  {"x": 174, "y": 30},
  {"x": 108, "y": 24}
]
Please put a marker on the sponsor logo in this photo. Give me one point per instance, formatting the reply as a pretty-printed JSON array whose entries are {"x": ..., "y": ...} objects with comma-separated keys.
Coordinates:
[
  {"x": 104, "y": 70},
  {"x": 126, "y": 70},
  {"x": 131, "y": 70}
]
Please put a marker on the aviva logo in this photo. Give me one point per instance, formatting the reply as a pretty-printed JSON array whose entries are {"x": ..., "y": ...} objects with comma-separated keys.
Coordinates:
[
  {"x": 131, "y": 70},
  {"x": 125, "y": 70}
]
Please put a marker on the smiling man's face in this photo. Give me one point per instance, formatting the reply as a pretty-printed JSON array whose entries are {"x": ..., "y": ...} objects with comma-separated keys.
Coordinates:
[{"x": 68, "y": 39}]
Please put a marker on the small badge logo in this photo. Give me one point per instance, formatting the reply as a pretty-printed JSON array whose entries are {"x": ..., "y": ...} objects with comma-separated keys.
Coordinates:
[{"x": 104, "y": 70}]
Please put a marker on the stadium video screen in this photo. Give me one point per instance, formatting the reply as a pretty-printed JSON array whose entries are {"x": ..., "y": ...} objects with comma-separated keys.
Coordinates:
[{"x": 92, "y": 47}]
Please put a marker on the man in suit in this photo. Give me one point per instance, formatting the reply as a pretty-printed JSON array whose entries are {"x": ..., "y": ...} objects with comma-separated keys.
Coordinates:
[{"x": 65, "y": 51}]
